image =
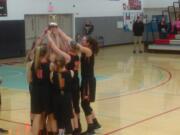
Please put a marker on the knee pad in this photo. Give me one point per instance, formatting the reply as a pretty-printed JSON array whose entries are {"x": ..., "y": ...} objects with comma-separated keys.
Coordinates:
[
  {"x": 76, "y": 105},
  {"x": 86, "y": 107},
  {"x": 77, "y": 108},
  {"x": 68, "y": 127}
]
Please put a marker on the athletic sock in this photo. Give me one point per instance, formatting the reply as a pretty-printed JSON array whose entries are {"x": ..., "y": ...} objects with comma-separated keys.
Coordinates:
[
  {"x": 31, "y": 122},
  {"x": 79, "y": 125}
]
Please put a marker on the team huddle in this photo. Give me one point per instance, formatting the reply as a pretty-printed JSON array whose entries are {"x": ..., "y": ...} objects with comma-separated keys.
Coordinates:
[{"x": 55, "y": 87}]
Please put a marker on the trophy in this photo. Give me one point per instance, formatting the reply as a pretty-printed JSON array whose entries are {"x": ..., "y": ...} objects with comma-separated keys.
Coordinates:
[{"x": 52, "y": 21}]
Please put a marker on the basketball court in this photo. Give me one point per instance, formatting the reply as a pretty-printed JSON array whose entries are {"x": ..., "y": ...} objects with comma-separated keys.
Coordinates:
[
  {"x": 136, "y": 94},
  {"x": 138, "y": 90}
]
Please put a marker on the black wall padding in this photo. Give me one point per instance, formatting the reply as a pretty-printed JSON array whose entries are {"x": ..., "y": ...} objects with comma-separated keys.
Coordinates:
[{"x": 12, "y": 39}]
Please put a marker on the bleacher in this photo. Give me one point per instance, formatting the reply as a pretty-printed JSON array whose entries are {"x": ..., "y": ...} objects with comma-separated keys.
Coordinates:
[{"x": 172, "y": 42}]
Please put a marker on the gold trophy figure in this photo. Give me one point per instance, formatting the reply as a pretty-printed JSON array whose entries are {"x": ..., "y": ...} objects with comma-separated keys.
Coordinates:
[{"x": 52, "y": 21}]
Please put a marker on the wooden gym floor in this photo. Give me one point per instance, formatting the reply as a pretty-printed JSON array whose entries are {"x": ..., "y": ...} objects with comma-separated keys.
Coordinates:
[{"x": 137, "y": 94}]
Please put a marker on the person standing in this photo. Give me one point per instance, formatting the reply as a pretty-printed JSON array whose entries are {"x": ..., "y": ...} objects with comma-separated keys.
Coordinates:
[
  {"x": 88, "y": 84},
  {"x": 138, "y": 30},
  {"x": 88, "y": 49},
  {"x": 88, "y": 28}
]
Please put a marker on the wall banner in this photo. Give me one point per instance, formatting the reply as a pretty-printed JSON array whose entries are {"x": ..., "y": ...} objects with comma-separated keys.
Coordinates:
[{"x": 3, "y": 7}]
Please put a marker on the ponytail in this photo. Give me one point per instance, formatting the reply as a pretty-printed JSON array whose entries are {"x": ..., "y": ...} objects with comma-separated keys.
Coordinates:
[
  {"x": 60, "y": 62},
  {"x": 93, "y": 45},
  {"x": 40, "y": 52}
]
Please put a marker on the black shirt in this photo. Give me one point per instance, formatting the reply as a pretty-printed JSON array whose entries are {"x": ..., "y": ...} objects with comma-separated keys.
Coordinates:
[
  {"x": 74, "y": 64},
  {"x": 62, "y": 81},
  {"x": 89, "y": 28},
  {"x": 42, "y": 75},
  {"x": 138, "y": 28},
  {"x": 87, "y": 66}
]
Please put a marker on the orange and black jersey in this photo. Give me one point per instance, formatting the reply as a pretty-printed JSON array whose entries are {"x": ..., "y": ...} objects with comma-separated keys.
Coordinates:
[
  {"x": 42, "y": 75},
  {"x": 41, "y": 95}
]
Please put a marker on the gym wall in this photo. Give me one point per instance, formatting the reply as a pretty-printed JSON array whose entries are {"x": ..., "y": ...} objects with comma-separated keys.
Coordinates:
[
  {"x": 157, "y": 3},
  {"x": 35, "y": 24},
  {"x": 17, "y": 9},
  {"x": 106, "y": 27},
  {"x": 103, "y": 13},
  {"x": 153, "y": 11},
  {"x": 12, "y": 39},
  {"x": 80, "y": 8}
]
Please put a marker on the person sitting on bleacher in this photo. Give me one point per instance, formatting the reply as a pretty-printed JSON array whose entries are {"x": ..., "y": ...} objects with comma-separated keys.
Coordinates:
[
  {"x": 177, "y": 26},
  {"x": 163, "y": 29}
]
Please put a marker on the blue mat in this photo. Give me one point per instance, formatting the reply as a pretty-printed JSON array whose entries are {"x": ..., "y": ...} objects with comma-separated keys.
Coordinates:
[{"x": 15, "y": 77}]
